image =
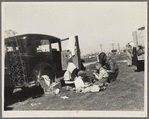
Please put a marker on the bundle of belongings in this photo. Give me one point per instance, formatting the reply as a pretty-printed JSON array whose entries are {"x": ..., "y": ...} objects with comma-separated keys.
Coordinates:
[
  {"x": 45, "y": 84},
  {"x": 84, "y": 83},
  {"x": 140, "y": 50},
  {"x": 81, "y": 81}
]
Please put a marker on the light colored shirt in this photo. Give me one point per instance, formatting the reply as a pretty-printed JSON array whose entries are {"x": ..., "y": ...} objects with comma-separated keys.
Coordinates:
[
  {"x": 102, "y": 73},
  {"x": 70, "y": 68}
]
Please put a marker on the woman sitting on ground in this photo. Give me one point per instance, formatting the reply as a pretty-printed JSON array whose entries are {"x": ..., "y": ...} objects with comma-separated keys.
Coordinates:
[{"x": 110, "y": 65}]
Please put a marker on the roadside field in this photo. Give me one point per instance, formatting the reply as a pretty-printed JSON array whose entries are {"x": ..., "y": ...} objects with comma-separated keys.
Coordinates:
[{"x": 124, "y": 94}]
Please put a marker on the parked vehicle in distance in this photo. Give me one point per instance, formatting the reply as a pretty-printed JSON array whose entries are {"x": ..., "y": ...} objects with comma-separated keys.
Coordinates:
[
  {"x": 139, "y": 38},
  {"x": 113, "y": 52}
]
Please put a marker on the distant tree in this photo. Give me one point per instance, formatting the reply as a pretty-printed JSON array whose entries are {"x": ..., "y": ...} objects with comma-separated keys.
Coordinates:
[{"x": 9, "y": 33}]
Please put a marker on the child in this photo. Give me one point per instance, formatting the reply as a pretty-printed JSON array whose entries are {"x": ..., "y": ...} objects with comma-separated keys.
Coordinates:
[{"x": 101, "y": 75}]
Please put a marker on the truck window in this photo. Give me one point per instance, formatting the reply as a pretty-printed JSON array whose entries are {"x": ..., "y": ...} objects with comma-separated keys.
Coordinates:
[
  {"x": 55, "y": 47},
  {"x": 43, "y": 46}
]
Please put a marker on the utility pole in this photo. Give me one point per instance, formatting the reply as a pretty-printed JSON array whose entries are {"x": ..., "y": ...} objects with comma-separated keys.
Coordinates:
[
  {"x": 112, "y": 45},
  {"x": 118, "y": 47},
  {"x": 101, "y": 47}
]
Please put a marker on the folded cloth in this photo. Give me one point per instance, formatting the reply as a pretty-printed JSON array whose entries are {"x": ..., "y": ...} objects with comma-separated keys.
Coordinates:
[
  {"x": 46, "y": 79},
  {"x": 95, "y": 88},
  {"x": 71, "y": 45}
]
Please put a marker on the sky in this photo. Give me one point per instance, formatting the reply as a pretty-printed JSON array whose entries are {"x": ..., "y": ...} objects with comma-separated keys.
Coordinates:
[{"x": 95, "y": 23}]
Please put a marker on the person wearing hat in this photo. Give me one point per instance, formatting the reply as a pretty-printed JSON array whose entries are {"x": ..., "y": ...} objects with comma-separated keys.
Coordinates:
[{"x": 110, "y": 65}]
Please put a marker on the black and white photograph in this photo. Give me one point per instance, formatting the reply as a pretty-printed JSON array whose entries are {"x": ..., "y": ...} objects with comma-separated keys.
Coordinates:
[{"x": 74, "y": 59}]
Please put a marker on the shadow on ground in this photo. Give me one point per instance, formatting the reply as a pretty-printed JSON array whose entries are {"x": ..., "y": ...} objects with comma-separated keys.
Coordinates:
[{"x": 22, "y": 95}]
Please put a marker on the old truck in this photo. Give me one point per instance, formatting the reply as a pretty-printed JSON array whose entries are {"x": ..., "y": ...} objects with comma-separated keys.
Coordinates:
[
  {"x": 30, "y": 56},
  {"x": 139, "y": 38}
]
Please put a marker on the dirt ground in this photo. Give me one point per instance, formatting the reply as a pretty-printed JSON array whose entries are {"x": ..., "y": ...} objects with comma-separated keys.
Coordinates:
[{"x": 124, "y": 94}]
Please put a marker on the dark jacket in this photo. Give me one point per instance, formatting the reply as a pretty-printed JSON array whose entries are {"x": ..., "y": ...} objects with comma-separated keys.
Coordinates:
[{"x": 110, "y": 64}]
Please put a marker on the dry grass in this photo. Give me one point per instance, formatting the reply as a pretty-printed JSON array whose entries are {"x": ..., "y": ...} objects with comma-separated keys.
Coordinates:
[{"x": 126, "y": 93}]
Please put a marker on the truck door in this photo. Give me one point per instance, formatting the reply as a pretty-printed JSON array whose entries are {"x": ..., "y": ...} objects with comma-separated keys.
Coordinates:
[
  {"x": 64, "y": 53},
  {"x": 56, "y": 51}
]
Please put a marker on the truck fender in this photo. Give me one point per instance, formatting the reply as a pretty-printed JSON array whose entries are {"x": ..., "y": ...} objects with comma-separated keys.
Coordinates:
[{"x": 38, "y": 70}]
